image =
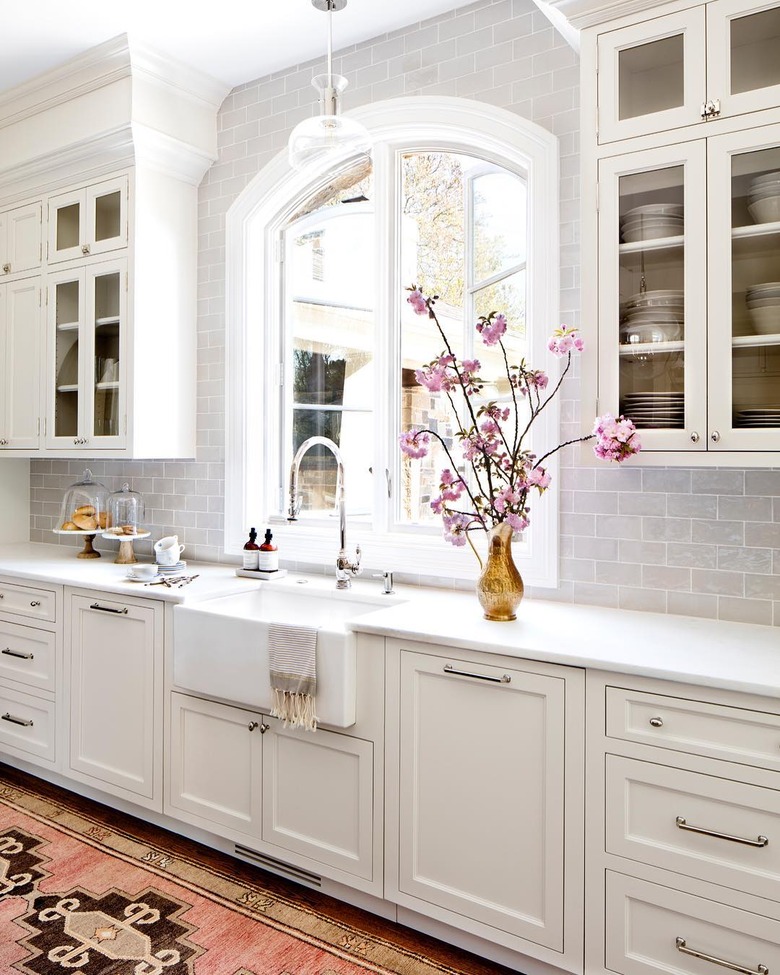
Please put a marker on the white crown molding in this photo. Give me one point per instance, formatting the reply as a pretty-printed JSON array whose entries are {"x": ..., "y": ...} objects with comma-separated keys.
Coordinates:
[
  {"x": 170, "y": 156},
  {"x": 103, "y": 65},
  {"x": 588, "y": 13}
]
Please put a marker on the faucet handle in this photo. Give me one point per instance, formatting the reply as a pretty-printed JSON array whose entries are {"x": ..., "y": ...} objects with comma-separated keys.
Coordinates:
[
  {"x": 356, "y": 569},
  {"x": 387, "y": 581}
]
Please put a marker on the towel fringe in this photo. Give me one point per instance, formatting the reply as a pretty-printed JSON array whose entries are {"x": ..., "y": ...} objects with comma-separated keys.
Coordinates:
[{"x": 295, "y": 710}]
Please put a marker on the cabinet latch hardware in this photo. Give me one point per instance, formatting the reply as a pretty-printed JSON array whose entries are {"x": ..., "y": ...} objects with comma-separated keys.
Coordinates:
[
  {"x": 681, "y": 823},
  {"x": 15, "y": 653},
  {"x": 732, "y": 966},
  {"x": 109, "y": 609},
  {"x": 710, "y": 109},
  {"x": 85, "y": 248},
  {"x": 25, "y": 722},
  {"x": 503, "y": 679}
]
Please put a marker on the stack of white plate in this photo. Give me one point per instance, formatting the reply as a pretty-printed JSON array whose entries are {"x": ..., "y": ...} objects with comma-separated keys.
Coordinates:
[
  {"x": 765, "y": 416},
  {"x": 653, "y": 316},
  {"x": 763, "y": 301},
  {"x": 655, "y": 410},
  {"x": 170, "y": 570},
  {"x": 764, "y": 198},
  {"x": 652, "y": 222}
]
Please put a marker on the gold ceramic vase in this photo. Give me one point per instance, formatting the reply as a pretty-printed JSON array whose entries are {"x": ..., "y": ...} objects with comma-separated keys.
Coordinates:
[{"x": 500, "y": 586}]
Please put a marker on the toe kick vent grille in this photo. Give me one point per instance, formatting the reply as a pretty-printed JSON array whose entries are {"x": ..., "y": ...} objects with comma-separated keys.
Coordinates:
[{"x": 278, "y": 866}]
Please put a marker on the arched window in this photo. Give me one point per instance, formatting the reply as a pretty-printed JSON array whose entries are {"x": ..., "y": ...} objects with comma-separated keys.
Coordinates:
[{"x": 460, "y": 198}]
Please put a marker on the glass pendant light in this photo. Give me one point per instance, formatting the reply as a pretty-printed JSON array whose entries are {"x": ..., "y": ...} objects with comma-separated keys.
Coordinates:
[{"x": 327, "y": 136}]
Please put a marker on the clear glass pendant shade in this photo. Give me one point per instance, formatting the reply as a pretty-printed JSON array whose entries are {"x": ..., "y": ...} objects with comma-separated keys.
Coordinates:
[{"x": 327, "y": 136}]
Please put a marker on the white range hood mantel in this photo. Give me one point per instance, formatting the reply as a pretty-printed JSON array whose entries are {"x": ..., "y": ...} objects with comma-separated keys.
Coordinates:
[{"x": 588, "y": 13}]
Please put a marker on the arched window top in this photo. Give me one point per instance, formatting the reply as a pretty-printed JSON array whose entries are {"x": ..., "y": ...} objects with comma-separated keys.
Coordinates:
[{"x": 290, "y": 252}]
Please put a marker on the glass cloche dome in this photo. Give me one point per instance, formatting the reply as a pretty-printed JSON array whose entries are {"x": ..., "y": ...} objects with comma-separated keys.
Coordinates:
[
  {"x": 125, "y": 511},
  {"x": 84, "y": 506}
]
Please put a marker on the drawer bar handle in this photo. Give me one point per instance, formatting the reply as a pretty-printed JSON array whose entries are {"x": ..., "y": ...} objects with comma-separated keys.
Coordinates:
[
  {"x": 732, "y": 966},
  {"x": 26, "y": 722},
  {"x": 15, "y": 653},
  {"x": 504, "y": 679},
  {"x": 109, "y": 609},
  {"x": 758, "y": 841}
]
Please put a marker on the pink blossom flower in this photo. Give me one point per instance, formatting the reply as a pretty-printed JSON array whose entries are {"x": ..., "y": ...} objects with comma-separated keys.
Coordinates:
[
  {"x": 492, "y": 328},
  {"x": 417, "y": 300},
  {"x": 564, "y": 339},
  {"x": 538, "y": 477},
  {"x": 415, "y": 443},
  {"x": 518, "y": 522},
  {"x": 616, "y": 438},
  {"x": 535, "y": 378},
  {"x": 455, "y": 526}
]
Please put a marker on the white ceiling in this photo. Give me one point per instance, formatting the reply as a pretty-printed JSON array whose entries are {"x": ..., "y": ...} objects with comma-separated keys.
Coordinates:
[{"x": 233, "y": 40}]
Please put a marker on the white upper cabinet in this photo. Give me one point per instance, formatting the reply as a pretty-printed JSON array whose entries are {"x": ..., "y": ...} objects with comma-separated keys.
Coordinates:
[
  {"x": 20, "y": 239},
  {"x": 717, "y": 60},
  {"x": 88, "y": 221},
  {"x": 20, "y": 363}
]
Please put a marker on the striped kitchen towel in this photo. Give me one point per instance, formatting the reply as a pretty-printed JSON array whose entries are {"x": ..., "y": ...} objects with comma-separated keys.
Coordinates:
[{"x": 292, "y": 660}]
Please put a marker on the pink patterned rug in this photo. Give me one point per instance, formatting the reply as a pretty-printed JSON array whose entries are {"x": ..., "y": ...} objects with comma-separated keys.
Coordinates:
[{"x": 76, "y": 896}]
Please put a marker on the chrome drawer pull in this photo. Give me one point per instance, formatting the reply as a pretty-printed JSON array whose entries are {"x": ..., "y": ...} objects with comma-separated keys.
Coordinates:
[
  {"x": 504, "y": 679},
  {"x": 656, "y": 722},
  {"x": 35, "y": 602},
  {"x": 732, "y": 966},
  {"x": 15, "y": 653},
  {"x": 758, "y": 841},
  {"x": 22, "y": 721},
  {"x": 109, "y": 609}
]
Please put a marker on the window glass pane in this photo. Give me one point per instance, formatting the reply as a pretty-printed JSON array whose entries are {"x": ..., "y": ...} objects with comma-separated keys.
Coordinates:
[
  {"x": 500, "y": 231},
  {"x": 507, "y": 296},
  {"x": 329, "y": 338}
]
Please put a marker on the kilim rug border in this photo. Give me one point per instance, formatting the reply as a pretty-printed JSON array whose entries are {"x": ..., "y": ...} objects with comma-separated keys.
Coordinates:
[{"x": 371, "y": 951}]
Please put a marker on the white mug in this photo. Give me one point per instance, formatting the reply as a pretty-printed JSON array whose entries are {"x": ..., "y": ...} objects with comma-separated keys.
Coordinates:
[{"x": 167, "y": 550}]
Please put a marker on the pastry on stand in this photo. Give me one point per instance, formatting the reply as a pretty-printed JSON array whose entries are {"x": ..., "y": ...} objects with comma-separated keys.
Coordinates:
[
  {"x": 125, "y": 515},
  {"x": 84, "y": 512}
]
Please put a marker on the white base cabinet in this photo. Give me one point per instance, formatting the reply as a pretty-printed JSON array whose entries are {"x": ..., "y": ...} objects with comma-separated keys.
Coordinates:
[
  {"x": 114, "y": 664},
  {"x": 302, "y": 796},
  {"x": 488, "y": 797}
]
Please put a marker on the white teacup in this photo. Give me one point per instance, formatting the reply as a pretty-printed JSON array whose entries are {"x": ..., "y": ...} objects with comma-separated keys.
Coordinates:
[
  {"x": 142, "y": 571},
  {"x": 167, "y": 550}
]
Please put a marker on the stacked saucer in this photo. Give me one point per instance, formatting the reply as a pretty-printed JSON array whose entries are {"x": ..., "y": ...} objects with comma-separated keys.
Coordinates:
[
  {"x": 764, "y": 198},
  {"x": 653, "y": 316},
  {"x": 765, "y": 416},
  {"x": 763, "y": 301},
  {"x": 655, "y": 410},
  {"x": 652, "y": 222},
  {"x": 171, "y": 570}
]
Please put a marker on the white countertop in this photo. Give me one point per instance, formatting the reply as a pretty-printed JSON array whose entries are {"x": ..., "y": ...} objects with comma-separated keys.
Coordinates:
[{"x": 736, "y": 656}]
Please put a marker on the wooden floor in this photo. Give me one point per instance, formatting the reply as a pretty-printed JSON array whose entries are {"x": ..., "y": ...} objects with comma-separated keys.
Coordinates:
[{"x": 459, "y": 961}]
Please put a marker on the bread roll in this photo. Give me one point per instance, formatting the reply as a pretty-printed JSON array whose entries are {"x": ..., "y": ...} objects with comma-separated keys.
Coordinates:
[
  {"x": 85, "y": 509},
  {"x": 68, "y": 526},
  {"x": 85, "y": 523}
]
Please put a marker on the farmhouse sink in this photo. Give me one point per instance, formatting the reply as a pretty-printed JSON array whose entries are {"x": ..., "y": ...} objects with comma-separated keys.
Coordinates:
[{"x": 220, "y": 646}]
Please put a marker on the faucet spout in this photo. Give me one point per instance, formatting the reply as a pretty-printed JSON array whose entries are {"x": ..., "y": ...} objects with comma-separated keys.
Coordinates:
[{"x": 344, "y": 568}]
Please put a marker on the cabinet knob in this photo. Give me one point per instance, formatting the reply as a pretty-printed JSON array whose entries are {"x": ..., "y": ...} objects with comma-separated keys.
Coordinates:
[
  {"x": 714, "y": 436},
  {"x": 35, "y": 602},
  {"x": 657, "y": 722},
  {"x": 3, "y": 442},
  {"x": 85, "y": 248},
  {"x": 6, "y": 269},
  {"x": 252, "y": 725},
  {"x": 695, "y": 438}
]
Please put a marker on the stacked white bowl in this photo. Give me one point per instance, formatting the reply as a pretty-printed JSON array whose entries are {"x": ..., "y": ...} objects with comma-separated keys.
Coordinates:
[
  {"x": 763, "y": 301},
  {"x": 652, "y": 221},
  {"x": 764, "y": 198},
  {"x": 653, "y": 316}
]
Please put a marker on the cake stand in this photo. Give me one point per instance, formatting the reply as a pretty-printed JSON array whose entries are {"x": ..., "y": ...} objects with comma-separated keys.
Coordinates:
[
  {"x": 87, "y": 552},
  {"x": 126, "y": 555}
]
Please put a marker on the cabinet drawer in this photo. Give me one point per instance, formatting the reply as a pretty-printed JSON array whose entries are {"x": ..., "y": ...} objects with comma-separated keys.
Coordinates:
[
  {"x": 717, "y": 731},
  {"x": 39, "y": 604},
  {"x": 652, "y": 929},
  {"x": 27, "y": 725},
  {"x": 28, "y": 655},
  {"x": 717, "y": 830}
]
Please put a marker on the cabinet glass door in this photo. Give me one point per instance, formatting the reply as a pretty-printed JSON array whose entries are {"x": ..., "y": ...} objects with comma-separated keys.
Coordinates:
[
  {"x": 106, "y": 316},
  {"x": 65, "y": 226},
  {"x": 651, "y": 76},
  {"x": 107, "y": 216},
  {"x": 745, "y": 290},
  {"x": 67, "y": 295},
  {"x": 652, "y": 291},
  {"x": 744, "y": 55}
]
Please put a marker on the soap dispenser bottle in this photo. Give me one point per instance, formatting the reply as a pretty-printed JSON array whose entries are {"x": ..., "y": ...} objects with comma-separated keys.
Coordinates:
[
  {"x": 268, "y": 555},
  {"x": 251, "y": 551}
]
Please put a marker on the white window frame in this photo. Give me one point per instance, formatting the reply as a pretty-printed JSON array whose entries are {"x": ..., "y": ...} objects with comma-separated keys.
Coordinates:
[{"x": 254, "y": 369}]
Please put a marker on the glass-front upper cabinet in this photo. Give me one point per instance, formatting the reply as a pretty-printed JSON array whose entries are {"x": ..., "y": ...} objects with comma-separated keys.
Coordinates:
[
  {"x": 744, "y": 290},
  {"x": 86, "y": 374},
  {"x": 88, "y": 221},
  {"x": 716, "y": 60},
  {"x": 652, "y": 293}
]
